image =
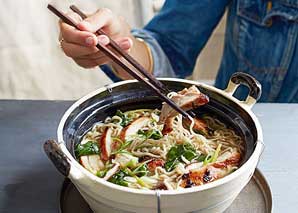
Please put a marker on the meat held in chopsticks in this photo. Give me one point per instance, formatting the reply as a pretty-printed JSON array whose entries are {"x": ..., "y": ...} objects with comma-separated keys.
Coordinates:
[{"x": 187, "y": 99}]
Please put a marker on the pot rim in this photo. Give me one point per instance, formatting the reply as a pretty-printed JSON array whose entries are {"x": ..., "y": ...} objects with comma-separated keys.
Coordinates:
[{"x": 73, "y": 162}]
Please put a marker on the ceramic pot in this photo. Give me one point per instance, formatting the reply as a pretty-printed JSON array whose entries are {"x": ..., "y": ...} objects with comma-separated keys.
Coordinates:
[{"x": 103, "y": 196}]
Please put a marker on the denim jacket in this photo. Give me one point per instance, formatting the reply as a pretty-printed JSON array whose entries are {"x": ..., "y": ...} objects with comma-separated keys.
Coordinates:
[{"x": 260, "y": 39}]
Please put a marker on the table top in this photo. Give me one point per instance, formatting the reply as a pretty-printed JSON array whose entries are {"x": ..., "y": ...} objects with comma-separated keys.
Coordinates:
[{"x": 30, "y": 183}]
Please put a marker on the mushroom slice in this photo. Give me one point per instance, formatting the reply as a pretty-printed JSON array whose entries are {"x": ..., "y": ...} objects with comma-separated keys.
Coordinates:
[
  {"x": 105, "y": 144},
  {"x": 112, "y": 171},
  {"x": 84, "y": 160},
  {"x": 134, "y": 127},
  {"x": 95, "y": 162},
  {"x": 92, "y": 163}
]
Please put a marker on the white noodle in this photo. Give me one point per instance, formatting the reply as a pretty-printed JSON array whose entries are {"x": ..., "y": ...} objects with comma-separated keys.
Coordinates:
[{"x": 158, "y": 148}]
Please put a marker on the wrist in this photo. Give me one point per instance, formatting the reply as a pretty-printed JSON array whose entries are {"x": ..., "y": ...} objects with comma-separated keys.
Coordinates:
[
  {"x": 141, "y": 52},
  {"x": 149, "y": 67}
]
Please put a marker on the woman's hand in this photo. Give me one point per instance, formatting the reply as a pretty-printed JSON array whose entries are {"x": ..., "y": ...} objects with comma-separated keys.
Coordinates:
[{"x": 80, "y": 45}]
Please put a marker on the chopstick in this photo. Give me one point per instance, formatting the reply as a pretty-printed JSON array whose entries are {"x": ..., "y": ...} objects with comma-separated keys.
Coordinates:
[
  {"x": 114, "y": 57},
  {"x": 125, "y": 55},
  {"x": 130, "y": 59}
]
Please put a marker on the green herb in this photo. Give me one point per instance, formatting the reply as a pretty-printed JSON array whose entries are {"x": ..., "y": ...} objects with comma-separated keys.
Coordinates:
[
  {"x": 123, "y": 146},
  {"x": 173, "y": 153},
  {"x": 125, "y": 118},
  {"x": 207, "y": 159},
  {"x": 142, "y": 132},
  {"x": 176, "y": 152},
  {"x": 127, "y": 160},
  {"x": 211, "y": 158},
  {"x": 88, "y": 148},
  {"x": 189, "y": 155},
  {"x": 118, "y": 178},
  {"x": 186, "y": 149},
  {"x": 156, "y": 135},
  {"x": 170, "y": 165},
  {"x": 215, "y": 155},
  {"x": 201, "y": 158},
  {"x": 141, "y": 182},
  {"x": 101, "y": 173},
  {"x": 151, "y": 134},
  {"x": 141, "y": 170},
  {"x": 128, "y": 172},
  {"x": 132, "y": 163}
]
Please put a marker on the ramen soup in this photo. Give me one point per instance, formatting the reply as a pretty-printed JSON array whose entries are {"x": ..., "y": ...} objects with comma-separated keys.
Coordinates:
[{"x": 159, "y": 149}]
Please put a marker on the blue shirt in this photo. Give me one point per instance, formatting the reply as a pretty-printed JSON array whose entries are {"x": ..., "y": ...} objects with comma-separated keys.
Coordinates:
[{"x": 260, "y": 39}]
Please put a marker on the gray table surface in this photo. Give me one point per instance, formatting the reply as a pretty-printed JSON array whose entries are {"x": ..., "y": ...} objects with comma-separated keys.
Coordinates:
[{"x": 30, "y": 183}]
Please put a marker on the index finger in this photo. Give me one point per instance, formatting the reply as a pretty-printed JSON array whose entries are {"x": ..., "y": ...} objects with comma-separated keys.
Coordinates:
[
  {"x": 102, "y": 17},
  {"x": 75, "y": 36}
]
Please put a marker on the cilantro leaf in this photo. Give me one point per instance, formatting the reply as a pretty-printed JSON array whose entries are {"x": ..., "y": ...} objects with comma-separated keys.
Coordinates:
[{"x": 89, "y": 148}]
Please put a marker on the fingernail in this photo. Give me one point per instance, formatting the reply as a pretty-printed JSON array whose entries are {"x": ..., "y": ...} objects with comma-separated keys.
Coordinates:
[
  {"x": 89, "y": 41},
  {"x": 125, "y": 44},
  {"x": 103, "y": 40}
]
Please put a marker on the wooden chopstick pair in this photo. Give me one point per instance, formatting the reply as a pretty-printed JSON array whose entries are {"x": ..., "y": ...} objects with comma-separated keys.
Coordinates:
[
  {"x": 124, "y": 54},
  {"x": 152, "y": 83}
]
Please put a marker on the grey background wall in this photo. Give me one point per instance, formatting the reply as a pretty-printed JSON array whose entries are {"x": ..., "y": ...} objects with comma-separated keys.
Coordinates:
[{"x": 32, "y": 65}]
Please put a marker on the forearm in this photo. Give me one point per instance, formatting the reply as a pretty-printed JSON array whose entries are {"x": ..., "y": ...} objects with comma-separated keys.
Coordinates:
[
  {"x": 160, "y": 65},
  {"x": 177, "y": 35}
]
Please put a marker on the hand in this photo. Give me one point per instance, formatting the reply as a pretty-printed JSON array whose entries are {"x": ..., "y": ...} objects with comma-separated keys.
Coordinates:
[{"x": 80, "y": 45}]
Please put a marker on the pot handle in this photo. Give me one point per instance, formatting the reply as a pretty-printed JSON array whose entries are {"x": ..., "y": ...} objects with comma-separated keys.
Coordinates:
[
  {"x": 255, "y": 88},
  {"x": 58, "y": 158}
]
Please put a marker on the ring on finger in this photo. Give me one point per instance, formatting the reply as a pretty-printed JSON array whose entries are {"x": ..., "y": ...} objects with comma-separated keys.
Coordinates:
[{"x": 60, "y": 42}]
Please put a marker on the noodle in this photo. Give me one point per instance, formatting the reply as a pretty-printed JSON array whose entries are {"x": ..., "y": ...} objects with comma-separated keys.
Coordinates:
[{"x": 150, "y": 160}]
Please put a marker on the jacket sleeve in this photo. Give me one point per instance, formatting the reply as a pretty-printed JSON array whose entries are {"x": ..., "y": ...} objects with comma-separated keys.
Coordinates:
[{"x": 182, "y": 29}]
